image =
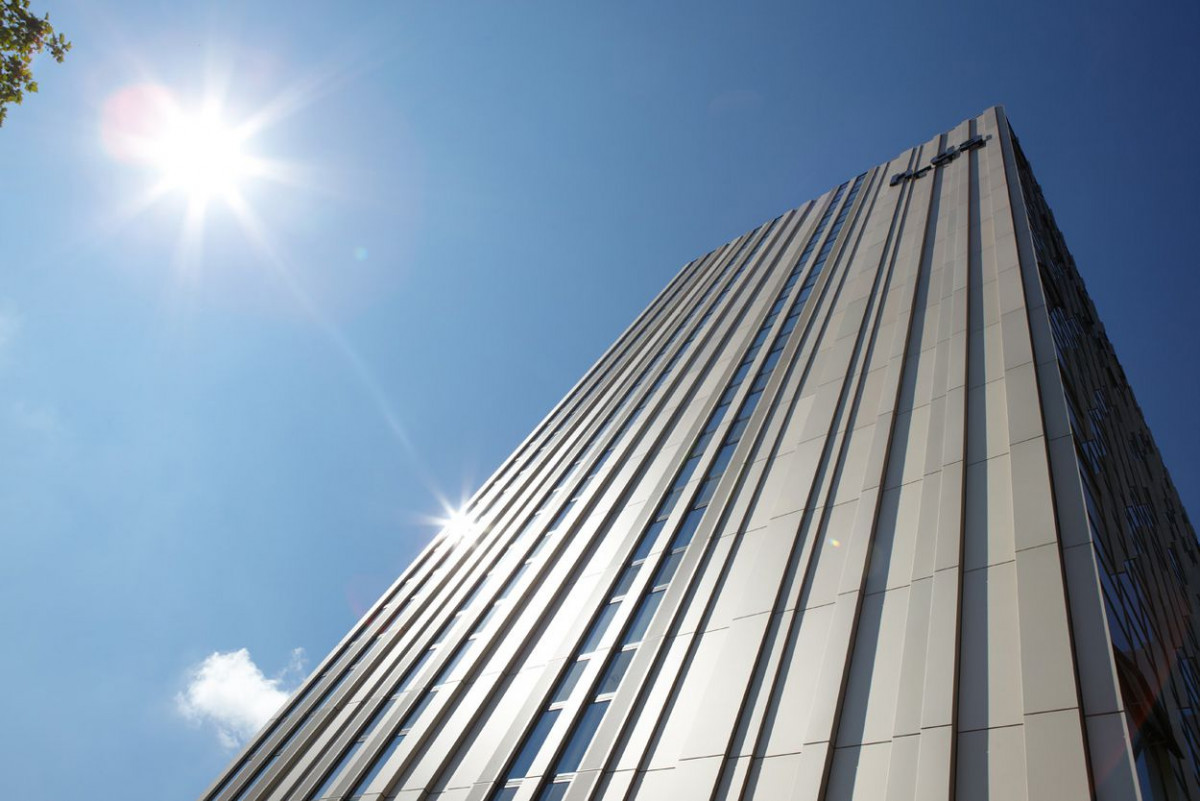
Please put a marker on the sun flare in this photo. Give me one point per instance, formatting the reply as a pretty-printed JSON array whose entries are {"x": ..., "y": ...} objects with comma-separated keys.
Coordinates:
[
  {"x": 200, "y": 155},
  {"x": 191, "y": 151}
]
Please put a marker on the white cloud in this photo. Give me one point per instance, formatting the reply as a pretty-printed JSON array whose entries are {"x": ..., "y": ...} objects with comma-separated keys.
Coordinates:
[{"x": 230, "y": 693}]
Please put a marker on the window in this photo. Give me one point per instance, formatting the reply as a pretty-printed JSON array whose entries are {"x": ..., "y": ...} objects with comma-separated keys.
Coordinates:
[
  {"x": 687, "y": 529},
  {"x": 335, "y": 772},
  {"x": 648, "y": 539},
  {"x": 360, "y": 789},
  {"x": 614, "y": 673},
  {"x": 641, "y": 620},
  {"x": 585, "y": 730},
  {"x": 666, "y": 570},
  {"x": 567, "y": 683},
  {"x": 554, "y": 792},
  {"x": 740, "y": 375},
  {"x": 706, "y": 492},
  {"x": 626, "y": 580},
  {"x": 533, "y": 744},
  {"x": 724, "y": 456},
  {"x": 406, "y": 725},
  {"x": 599, "y": 628}
]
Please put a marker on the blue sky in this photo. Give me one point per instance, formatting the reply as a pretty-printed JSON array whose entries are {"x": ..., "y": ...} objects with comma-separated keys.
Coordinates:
[{"x": 235, "y": 441}]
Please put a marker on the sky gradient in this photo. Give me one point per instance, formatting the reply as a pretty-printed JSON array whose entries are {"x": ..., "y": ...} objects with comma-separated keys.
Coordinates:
[{"x": 230, "y": 442}]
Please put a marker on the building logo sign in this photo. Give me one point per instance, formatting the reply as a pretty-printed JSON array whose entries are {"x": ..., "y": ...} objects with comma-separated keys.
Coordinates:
[{"x": 945, "y": 157}]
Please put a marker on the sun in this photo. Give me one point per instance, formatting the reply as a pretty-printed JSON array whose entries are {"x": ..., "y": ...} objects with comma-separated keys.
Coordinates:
[
  {"x": 200, "y": 155},
  {"x": 193, "y": 151}
]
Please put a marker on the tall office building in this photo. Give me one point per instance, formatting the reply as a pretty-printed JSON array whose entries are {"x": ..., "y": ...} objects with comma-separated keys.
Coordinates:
[{"x": 861, "y": 507}]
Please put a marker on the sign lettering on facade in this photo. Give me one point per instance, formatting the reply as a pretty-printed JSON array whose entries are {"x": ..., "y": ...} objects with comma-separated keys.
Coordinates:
[{"x": 945, "y": 157}]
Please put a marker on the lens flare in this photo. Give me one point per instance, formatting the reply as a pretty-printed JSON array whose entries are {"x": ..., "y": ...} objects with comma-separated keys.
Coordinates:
[
  {"x": 201, "y": 156},
  {"x": 195, "y": 152}
]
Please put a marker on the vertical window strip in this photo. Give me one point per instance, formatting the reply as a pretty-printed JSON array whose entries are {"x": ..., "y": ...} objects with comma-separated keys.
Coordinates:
[
  {"x": 743, "y": 260},
  {"x": 321, "y": 703},
  {"x": 661, "y": 304},
  {"x": 585, "y": 727},
  {"x": 461, "y": 651},
  {"x": 394, "y": 740},
  {"x": 740, "y": 258}
]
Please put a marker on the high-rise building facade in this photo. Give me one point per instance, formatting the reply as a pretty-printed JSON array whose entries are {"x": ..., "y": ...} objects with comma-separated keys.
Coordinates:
[{"x": 861, "y": 507}]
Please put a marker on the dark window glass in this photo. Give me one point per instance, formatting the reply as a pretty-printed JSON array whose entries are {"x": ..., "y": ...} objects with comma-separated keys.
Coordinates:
[
  {"x": 648, "y": 539},
  {"x": 533, "y": 744},
  {"x": 262, "y": 771},
  {"x": 723, "y": 458},
  {"x": 641, "y": 620},
  {"x": 554, "y": 792},
  {"x": 687, "y": 529},
  {"x": 740, "y": 375},
  {"x": 614, "y": 673},
  {"x": 706, "y": 491},
  {"x": 596, "y": 633},
  {"x": 768, "y": 366},
  {"x": 669, "y": 502},
  {"x": 625, "y": 581},
  {"x": 582, "y": 738},
  {"x": 735, "y": 431},
  {"x": 666, "y": 571},
  {"x": 748, "y": 406},
  {"x": 567, "y": 683},
  {"x": 505, "y": 794},
  {"x": 361, "y": 788},
  {"x": 702, "y": 443},
  {"x": 335, "y": 772}
]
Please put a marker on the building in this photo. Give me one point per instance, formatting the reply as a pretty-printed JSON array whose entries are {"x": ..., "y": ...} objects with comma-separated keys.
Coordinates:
[{"x": 861, "y": 507}]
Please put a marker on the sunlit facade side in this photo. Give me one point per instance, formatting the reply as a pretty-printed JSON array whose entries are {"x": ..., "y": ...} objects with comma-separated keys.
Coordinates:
[{"x": 861, "y": 507}]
